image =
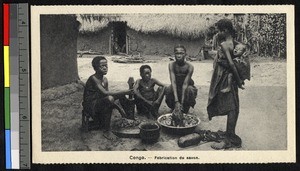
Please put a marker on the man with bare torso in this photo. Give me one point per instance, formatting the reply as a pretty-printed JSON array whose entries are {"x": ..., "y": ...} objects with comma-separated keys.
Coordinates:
[
  {"x": 181, "y": 94},
  {"x": 98, "y": 101},
  {"x": 148, "y": 99}
]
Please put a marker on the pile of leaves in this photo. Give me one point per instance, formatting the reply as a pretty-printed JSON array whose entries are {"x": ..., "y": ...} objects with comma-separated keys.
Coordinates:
[
  {"x": 187, "y": 121},
  {"x": 125, "y": 123}
]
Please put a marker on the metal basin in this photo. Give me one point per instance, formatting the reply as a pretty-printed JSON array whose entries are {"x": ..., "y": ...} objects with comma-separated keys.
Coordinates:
[{"x": 177, "y": 130}]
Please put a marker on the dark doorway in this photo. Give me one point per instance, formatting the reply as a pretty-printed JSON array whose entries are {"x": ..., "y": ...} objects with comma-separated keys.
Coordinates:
[{"x": 119, "y": 38}]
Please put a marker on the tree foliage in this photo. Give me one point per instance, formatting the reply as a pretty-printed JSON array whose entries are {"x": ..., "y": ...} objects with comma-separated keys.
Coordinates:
[{"x": 264, "y": 33}]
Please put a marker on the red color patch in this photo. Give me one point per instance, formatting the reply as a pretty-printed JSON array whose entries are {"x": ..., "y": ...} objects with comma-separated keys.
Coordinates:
[{"x": 6, "y": 24}]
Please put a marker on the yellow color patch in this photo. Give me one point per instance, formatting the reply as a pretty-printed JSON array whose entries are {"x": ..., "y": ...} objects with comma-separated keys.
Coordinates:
[{"x": 6, "y": 67}]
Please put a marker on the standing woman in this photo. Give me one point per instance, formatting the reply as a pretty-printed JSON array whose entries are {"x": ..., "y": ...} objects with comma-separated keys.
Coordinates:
[{"x": 219, "y": 103}]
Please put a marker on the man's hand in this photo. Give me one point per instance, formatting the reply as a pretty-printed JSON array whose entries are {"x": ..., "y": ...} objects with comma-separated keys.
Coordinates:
[
  {"x": 155, "y": 103},
  {"x": 177, "y": 115},
  {"x": 129, "y": 92},
  {"x": 177, "y": 106},
  {"x": 149, "y": 102}
]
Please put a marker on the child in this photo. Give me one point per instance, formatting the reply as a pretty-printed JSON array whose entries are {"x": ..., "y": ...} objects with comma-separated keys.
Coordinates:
[
  {"x": 146, "y": 98},
  {"x": 181, "y": 94},
  {"x": 98, "y": 101},
  {"x": 241, "y": 63}
]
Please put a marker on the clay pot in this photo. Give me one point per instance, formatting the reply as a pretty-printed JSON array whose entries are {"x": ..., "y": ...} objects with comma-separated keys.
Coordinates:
[{"x": 149, "y": 132}]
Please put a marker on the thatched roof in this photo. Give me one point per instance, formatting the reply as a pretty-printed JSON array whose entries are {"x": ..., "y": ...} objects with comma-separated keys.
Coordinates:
[{"x": 179, "y": 25}]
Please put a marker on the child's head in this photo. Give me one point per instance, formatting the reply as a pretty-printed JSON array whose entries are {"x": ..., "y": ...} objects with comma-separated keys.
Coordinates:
[
  {"x": 180, "y": 53},
  {"x": 239, "y": 50},
  {"x": 145, "y": 72},
  {"x": 99, "y": 64}
]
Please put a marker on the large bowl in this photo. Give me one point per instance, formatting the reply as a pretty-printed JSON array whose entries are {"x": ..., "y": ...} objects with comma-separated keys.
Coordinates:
[{"x": 177, "y": 130}]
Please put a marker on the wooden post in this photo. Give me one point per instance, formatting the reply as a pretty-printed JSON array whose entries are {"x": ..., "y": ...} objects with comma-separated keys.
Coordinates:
[
  {"x": 127, "y": 44},
  {"x": 258, "y": 38},
  {"x": 130, "y": 84},
  {"x": 109, "y": 45},
  {"x": 130, "y": 105},
  {"x": 245, "y": 20},
  {"x": 279, "y": 54}
]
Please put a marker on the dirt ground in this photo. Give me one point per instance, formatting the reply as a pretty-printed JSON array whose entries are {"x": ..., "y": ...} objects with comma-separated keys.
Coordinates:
[{"x": 262, "y": 123}]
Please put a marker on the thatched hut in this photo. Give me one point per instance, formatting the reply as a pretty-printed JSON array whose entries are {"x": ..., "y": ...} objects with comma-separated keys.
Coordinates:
[{"x": 147, "y": 34}]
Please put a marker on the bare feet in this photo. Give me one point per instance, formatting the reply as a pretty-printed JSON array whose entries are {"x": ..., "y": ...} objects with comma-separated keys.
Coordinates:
[
  {"x": 109, "y": 135},
  {"x": 220, "y": 145},
  {"x": 240, "y": 85},
  {"x": 221, "y": 134},
  {"x": 226, "y": 90},
  {"x": 226, "y": 143}
]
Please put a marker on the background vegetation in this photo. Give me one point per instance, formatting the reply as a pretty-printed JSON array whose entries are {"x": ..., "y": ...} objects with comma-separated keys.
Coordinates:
[{"x": 265, "y": 33}]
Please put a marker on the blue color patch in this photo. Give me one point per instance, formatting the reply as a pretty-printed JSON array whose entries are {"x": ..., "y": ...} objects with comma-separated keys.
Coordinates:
[{"x": 7, "y": 149}]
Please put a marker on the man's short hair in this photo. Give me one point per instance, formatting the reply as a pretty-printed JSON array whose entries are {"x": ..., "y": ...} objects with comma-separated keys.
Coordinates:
[
  {"x": 144, "y": 67},
  {"x": 96, "y": 61},
  {"x": 179, "y": 46}
]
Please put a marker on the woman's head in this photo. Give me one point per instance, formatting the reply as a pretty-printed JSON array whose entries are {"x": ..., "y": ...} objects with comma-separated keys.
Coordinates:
[{"x": 225, "y": 28}]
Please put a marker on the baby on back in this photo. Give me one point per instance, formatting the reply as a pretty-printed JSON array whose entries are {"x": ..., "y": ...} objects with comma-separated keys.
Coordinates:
[{"x": 241, "y": 63}]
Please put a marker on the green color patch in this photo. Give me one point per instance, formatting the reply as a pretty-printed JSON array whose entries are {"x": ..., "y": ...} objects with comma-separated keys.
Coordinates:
[{"x": 7, "y": 107}]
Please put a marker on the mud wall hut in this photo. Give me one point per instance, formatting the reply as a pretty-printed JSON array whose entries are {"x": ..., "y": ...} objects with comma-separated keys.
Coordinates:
[
  {"x": 147, "y": 34},
  {"x": 58, "y": 50}
]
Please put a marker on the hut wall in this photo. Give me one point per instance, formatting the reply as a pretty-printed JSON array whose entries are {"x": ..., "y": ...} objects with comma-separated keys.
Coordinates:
[
  {"x": 58, "y": 50},
  {"x": 146, "y": 44},
  {"x": 98, "y": 41},
  {"x": 160, "y": 44}
]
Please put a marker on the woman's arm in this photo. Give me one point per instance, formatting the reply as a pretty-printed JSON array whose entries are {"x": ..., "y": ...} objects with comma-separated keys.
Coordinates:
[
  {"x": 247, "y": 52},
  {"x": 231, "y": 64}
]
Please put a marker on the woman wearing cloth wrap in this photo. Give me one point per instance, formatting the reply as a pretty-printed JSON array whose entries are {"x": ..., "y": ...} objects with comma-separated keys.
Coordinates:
[{"x": 225, "y": 103}]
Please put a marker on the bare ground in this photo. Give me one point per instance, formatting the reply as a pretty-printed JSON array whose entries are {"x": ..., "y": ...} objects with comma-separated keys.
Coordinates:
[{"x": 262, "y": 123}]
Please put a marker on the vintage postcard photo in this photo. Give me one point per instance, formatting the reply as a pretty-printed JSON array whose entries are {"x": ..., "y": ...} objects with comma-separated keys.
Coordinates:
[{"x": 163, "y": 84}]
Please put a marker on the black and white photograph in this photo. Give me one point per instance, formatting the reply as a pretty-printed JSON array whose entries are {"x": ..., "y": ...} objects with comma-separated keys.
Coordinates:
[{"x": 179, "y": 82}]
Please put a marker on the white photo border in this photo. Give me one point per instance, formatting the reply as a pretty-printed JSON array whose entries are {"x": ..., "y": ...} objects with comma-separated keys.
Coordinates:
[{"x": 282, "y": 156}]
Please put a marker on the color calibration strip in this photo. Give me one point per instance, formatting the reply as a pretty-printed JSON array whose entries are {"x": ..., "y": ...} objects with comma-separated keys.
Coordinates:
[{"x": 6, "y": 26}]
